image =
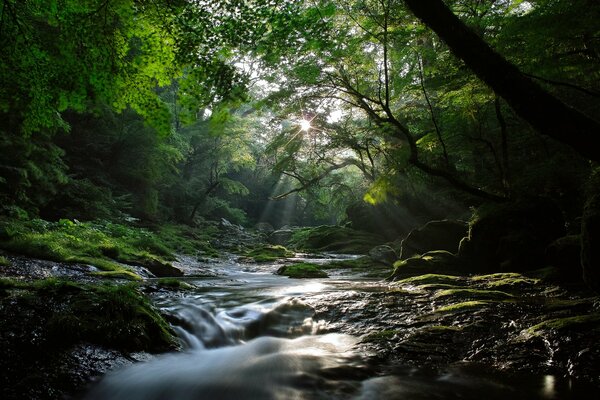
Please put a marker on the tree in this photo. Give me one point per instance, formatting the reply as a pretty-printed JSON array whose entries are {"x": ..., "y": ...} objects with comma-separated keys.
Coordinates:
[{"x": 543, "y": 111}]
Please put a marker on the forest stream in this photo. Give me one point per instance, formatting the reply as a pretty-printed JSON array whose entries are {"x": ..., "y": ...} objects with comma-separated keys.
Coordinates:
[{"x": 249, "y": 333}]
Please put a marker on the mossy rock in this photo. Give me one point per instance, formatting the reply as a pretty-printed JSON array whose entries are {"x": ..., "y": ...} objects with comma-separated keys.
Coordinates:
[
  {"x": 269, "y": 253},
  {"x": 463, "y": 306},
  {"x": 433, "y": 262},
  {"x": 161, "y": 268},
  {"x": 381, "y": 336},
  {"x": 579, "y": 322},
  {"x": 478, "y": 294},
  {"x": 334, "y": 239},
  {"x": 505, "y": 281},
  {"x": 116, "y": 316},
  {"x": 173, "y": 283},
  {"x": 432, "y": 279},
  {"x": 302, "y": 270},
  {"x": 434, "y": 235}
]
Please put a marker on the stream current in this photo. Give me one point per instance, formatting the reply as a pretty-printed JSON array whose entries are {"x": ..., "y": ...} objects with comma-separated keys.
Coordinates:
[{"x": 248, "y": 333}]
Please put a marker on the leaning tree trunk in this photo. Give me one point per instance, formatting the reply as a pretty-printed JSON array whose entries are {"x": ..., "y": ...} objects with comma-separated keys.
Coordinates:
[{"x": 547, "y": 114}]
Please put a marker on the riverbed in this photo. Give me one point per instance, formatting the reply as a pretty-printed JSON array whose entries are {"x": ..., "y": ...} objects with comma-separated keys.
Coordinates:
[{"x": 247, "y": 333}]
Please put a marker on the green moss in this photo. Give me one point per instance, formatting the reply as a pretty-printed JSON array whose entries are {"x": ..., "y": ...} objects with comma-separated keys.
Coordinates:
[
  {"x": 560, "y": 324},
  {"x": 173, "y": 283},
  {"x": 269, "y": 253},
  {"x": 116, "y": 316},
  {"x": 302, "y": 270},
  {"x": 4, "y": 262},
  {"x": 101, "y": 243},
  {"x": 474, "y": 293},
  {"x": 381, "y": 336},
  {"x": 431, "y": 279},
  {"x": 466, "y": 305}
]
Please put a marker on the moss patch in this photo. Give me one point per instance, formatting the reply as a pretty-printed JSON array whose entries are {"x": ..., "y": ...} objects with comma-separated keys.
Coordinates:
[
  {"x": 173, "y": 283},
  {"x": 302, "y": 270},
  {"x": 561, "y": 324},
  {"x": 65, "y": 313},
  {"x": 433, "y": 262},
  {"x": 269, "y": 253},
  {"x": 474, "y": 293},
  {"x": 505, "y": 280},
  {"x": 466, "y": 305},
  {"x": 432, "y": 279},
  {"x": 381, "y": 336},
  {"x": 104, "y": 244}
]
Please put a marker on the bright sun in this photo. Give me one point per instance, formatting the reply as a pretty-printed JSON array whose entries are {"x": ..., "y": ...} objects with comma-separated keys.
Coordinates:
[{"x": 304, "y": 125}]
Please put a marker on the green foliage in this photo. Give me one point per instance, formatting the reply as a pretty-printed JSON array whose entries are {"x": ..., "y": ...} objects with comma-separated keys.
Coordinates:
[
  {"x": 4, "y": 262},
  {"x": 302, "y": 270}
]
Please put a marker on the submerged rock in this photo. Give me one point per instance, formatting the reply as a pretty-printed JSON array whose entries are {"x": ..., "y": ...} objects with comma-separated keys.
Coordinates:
[{"x": 434, "y": 235}]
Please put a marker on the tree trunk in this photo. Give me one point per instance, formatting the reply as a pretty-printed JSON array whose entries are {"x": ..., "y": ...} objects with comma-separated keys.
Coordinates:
[{"x": 547, "y": 114}]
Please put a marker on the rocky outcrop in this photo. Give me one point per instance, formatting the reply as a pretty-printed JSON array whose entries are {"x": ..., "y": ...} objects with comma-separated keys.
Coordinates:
[
  {"x": 512, "y": 237},
  {"x": 434, "y": 235}
]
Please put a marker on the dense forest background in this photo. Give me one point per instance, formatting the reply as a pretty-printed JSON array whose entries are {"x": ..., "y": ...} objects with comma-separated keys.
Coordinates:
[{"x": 289, "y": 112}]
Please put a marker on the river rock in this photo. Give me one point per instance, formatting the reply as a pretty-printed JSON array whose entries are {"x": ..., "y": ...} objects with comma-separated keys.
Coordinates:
[
  {"x": 383, "y": 254},
  {"x": 512, "y": 236},
  {"x": 162, "y": 269},
  {"x": 281, "y": 236},
  {"x": 590, "y": 242},
  {"x": 434, "y": 235}
]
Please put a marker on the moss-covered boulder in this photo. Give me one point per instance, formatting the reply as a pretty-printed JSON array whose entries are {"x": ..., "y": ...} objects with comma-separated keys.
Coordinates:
[
  {"x": 269, "y": 253},
  {"x": 511, "y": 237},
  {"x": 433, "y": 262},
  {"x": 161, "y": 268},
  {"x": 334, "y": 239},
  {"x": 434, "y": 235},
  {"x": 302, "y": 270}
]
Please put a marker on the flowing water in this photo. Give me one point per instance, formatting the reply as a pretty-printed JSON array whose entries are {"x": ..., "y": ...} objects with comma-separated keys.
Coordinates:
[{"x": 251, "y": 334}]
